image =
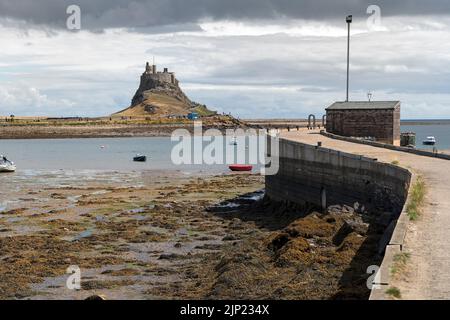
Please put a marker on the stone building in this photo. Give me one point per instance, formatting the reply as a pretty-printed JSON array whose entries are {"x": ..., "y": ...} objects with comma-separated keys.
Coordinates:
[
  {"x": 153, "y": 74},
  {"x": 378, "y": 120},
  {"x": 154, "y": 80}
]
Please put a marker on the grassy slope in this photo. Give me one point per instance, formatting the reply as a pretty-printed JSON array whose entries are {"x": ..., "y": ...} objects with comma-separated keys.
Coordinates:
[
  {"x": 164, "y": 105},
  {"x": 203, "y": 111}
]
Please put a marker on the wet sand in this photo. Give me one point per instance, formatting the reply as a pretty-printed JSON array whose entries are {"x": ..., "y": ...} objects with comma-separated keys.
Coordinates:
[
  {"x": 172, "y": 236},
  {"x": 133, "y": 236}
]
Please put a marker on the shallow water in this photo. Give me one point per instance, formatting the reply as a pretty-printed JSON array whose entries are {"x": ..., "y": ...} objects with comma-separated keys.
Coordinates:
[
  {"x": 76, "y": 155},
  {"x": 49, "y": 163}
]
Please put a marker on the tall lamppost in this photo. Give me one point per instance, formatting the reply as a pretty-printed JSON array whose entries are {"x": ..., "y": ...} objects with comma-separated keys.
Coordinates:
[{"x": 349, "y": 21}]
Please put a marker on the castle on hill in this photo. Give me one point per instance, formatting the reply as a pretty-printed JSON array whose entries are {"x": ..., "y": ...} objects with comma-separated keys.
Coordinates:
[
  {"x": 153, "y": 74},
  {"x": 153, "y": 81},
  {"x": 159, "y": 95}
]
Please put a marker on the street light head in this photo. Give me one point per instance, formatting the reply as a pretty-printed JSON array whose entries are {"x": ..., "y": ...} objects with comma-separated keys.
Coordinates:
[{"x": 349, "y": 19}]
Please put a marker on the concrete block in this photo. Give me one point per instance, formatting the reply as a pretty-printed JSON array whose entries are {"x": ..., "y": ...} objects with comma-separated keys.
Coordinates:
[
  {"x": 398, "y": 237},
  {"x": 379, "y": 293},
  {"x": 386, "y": 266}
]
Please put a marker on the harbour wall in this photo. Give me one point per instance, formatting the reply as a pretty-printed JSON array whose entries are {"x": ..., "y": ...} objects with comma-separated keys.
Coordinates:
[
  {"x": 326, "y": 177},
  {"x": 388, "y": 146}
]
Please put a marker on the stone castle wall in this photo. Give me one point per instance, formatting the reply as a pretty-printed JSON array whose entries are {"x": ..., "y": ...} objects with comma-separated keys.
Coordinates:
[
  {"x": 153, "y": 81},
  {"x": 151, "y": 73},
  {"x": 167, "y": 77}
]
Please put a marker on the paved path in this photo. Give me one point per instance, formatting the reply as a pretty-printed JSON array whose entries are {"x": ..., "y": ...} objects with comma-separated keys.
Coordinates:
[{"x": 428, "y": 239}]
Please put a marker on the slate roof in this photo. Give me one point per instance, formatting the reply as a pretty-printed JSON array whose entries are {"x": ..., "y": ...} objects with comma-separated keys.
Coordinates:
[{"x": 364, "y": 105}]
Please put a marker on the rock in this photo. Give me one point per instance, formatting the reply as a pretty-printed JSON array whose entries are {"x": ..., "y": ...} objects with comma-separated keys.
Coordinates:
[
  {"x": 230, "y": 237},
  {"x": 309, "y": 227},
  {"x": 279, "y": 241},
  {"x": 334, "y": 209},
  {"x": 159, "y": 94},
  {"x": 348, "y": 209},
  {"x": 330, "y": 219},
  {"x": 178, "y": 245},
  {"x": 96, "y": 297},
  {"x": 355, "y": 225},
  {"x": 209, "y": 246},
  {"x": 352, "y": 242},
  {"x": 235, "y": 224},
  {"x": 171, "y": 256}
]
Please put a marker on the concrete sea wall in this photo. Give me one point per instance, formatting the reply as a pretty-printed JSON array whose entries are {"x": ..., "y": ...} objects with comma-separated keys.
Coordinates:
[
  {"x": 326, "y": 177},
  {"x": 388, "y": 146}
]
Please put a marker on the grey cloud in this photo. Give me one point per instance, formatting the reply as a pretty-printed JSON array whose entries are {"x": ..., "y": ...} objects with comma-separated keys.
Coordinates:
[
  {"x": 271, "y": 75},
  {"x": 145, "y": 14}
]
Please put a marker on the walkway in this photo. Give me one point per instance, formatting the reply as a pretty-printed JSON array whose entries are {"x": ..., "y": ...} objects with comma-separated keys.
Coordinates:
[{"x": 428, "y": 239}]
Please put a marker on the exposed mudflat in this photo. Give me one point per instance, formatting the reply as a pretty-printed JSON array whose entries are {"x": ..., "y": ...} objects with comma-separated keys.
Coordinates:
[
  {"x": 87, "y": 131},
  {"x": 178, "y": 237}
]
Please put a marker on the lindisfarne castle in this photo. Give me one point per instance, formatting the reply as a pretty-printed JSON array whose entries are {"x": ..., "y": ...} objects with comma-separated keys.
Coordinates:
[
  {"x": 159, "y": 95},
  {"x": 157, "y": 81},
  {"x": 165, "y": 76}
]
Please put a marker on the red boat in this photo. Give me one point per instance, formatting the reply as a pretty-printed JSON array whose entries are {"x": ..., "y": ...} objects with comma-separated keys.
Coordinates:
[{"x": 240, "y": 167}]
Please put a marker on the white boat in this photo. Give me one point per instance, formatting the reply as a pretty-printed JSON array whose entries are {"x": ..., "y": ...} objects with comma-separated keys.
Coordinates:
[
  {"x": 430, "y": 141},
  {"x": 6, "y": 165},
  {"x": 233, "y": 142}
]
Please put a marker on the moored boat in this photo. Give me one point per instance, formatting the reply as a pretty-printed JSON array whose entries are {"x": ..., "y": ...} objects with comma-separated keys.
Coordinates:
[
  {"x": 240, "y": 167},
  {"x": 430, "y": 141},
  {"x": 140, "y": 158},
  {"x": 6, "y": 165}
]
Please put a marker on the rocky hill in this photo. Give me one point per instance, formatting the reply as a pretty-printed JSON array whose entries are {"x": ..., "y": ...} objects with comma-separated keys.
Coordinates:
[{"x": 159, "y": 95}]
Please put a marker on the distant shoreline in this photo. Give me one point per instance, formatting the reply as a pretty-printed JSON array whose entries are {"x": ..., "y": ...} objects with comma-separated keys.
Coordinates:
[
  {"x": 73, "y": 132},
  {"x": 425, "y": 122},
  {"x": 95, "y": 131},
  {"x": 21, "y": 129},
  {"x": 413, "y": 122},
  {"x": 63, "y": 128}
]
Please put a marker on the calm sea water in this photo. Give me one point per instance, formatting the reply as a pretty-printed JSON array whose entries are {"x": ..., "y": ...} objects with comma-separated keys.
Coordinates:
[
  {"x": 107, "y": 154},
  {"x": 116, "y": 154},
  {"x": 440, "y": 132}
]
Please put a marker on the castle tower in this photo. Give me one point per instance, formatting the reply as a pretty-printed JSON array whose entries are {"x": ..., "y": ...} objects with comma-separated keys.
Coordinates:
[
  {"x": 154, "y": 65},
  {"x": 150, "y": 69},
  {"x": 151, "y": 74}
]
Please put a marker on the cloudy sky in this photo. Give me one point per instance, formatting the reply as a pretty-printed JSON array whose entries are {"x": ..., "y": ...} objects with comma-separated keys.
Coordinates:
[{"x": 253, "y": 58}]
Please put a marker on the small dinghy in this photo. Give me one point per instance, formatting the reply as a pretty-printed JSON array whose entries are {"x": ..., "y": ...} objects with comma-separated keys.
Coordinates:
[
  {"x": 6, "y": 165},
  {"x": 140, "y": 158},
  {"x": 240, "y": 167}
]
